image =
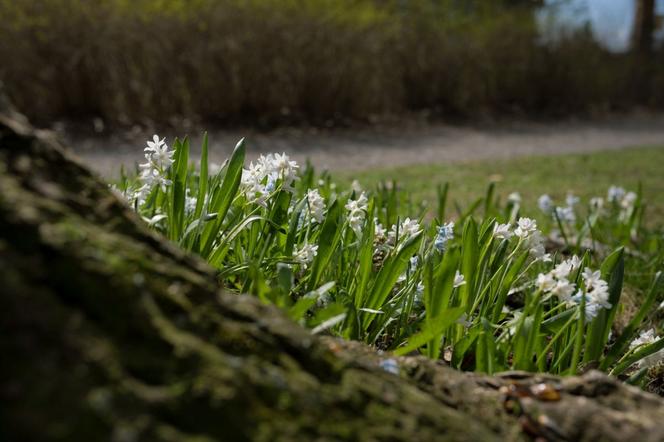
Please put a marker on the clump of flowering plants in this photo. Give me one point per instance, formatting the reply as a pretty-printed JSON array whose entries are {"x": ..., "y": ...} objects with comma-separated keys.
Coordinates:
[{"x": 483, "y": 293}]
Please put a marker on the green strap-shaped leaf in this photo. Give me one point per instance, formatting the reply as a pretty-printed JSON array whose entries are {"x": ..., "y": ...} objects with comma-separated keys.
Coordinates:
[{"x": 227, "y": 192}]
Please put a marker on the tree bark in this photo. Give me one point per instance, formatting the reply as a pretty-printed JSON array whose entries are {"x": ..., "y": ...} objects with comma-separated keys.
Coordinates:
[{"x": 109, "y": 332}]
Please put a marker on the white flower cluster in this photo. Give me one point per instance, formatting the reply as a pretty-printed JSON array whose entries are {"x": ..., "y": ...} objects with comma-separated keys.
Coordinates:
[
  {"x": 596, "y": 293},
  {"x": 316, "y": 205},
  {"x": 407, "y": 229},
  {"x": 597, "y": 204},
  {"x": 615, "y": 194},
  {"x": 459, "y": 279},
  {"x": 444, "y": 235},
  {"x": 557, "y": 282},
  {"x": 261, "y": 178},
  {"x": 625, "y": 200},
  {"x": 153, "y": 171},
  {"x": 305, "y": 255},
  {"x": 531, "y": 238},
  {"x": 502, "y": 231},
  {"x": 356, "y": 213},
  {"x": 514, "y": 198},
  {"x": 545, "y": 204},
  {"x": 595, "y": 290},
  {"x": 565, "y": 213},
  {"x": 380, "y": 234},
  {"x": 646, "y": 338}
]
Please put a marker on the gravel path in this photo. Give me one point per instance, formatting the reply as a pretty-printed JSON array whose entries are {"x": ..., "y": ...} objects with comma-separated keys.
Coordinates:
[{"x": 379, "y": 147}]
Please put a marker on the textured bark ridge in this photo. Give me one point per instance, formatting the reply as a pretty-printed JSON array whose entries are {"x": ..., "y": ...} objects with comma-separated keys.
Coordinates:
[{"x": 111, "y": 333}]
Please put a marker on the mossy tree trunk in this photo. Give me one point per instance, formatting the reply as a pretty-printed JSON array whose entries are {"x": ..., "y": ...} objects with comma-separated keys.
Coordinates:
[{"x": 109, "y": 332}]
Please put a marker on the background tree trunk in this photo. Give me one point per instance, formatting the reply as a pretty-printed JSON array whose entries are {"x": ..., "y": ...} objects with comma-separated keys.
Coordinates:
[
  {"x": 643, "y": 32},
  {"x": 109, "y": 332}
]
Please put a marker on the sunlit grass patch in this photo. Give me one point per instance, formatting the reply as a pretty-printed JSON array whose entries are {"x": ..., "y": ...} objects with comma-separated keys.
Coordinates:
[{"x": 586, "y": 175}]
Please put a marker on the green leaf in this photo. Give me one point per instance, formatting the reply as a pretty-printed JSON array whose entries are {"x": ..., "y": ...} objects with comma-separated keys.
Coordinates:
[
  {"x": 623, "y": 341},
  {"x": 647, "y": 350},
  {"x": 327, "y": 243},
  {"x": 447, "y": 318},
  {"x": 291, "y": 238},
  {"x": 365, "y": 258},
  {"x": 202, "y": 177},
  {"x": 227, "y": 192},
  {"x": 297, "y": 311},
  {"x": 442, "y": 200},
  {"x": 469, "y": 262},
  {"x": 613, "y": 269},
  {"x": 486, "y": 348},
  {"x": 179, "y": 180},
  {"x": 392, "y": 268}
]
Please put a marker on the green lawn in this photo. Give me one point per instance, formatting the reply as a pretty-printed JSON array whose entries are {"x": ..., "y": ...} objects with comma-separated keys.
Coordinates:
[{"x": 586, "y": 175}]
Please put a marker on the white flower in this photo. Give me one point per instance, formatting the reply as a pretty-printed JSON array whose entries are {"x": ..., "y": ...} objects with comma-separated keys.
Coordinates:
[
  {"x": 514, "y": 198},
  {"x": 545, "y": 282},
  {"x": 615, "y": 194},
  {"x": 459, "y": 279},
  {"x": 356, "y": 213},
  {"x": 562, "y": 270},
  {"x": 283, "y": 167},
  {"x": 592, "y": 278},
  {"x": 444, "y": 235},
  {"x": 563, "y": 290},
  {"x": 355, "y": 186},
  {"x": 575, "y": 261},
  {"x": 596, "y": 294},
  {"x": 627, "y": 206},
  {"x": 645, "y": 338},
  {"x": 154, "y": 170},
  {"x": 591, "y": 311},
  {"x": 597, "y": 203},
  {"x": 502, "y": 231},
  {"x": 571, "y": 200},
  {"x": 535, "y": 245},
  {"x": 261, "y": 178},
  {"x": 157, "y": 152},
  {"x": 566, "y": 214},
  {"x": 379, "y": 231},
  {"x": 628, "y": 201},
  {"x": 305, "y": 255},
  {"x": 316, "y": 205},
  {"x": 525, "y": 227},
  {"x": 545, "y": 204},
  {"x": 407, "y": 229},
  {"x": 557, "y": 282},
  {"x": 600, "y": 295},
  {"x": 190, "y": 204}
]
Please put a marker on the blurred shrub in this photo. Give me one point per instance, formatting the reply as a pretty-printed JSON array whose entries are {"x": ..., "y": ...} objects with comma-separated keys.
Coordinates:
[{"x": 293, "y": 60}]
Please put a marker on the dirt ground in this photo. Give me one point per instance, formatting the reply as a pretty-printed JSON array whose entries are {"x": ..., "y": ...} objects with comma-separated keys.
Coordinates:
[{"x": 386, "y": 146}]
